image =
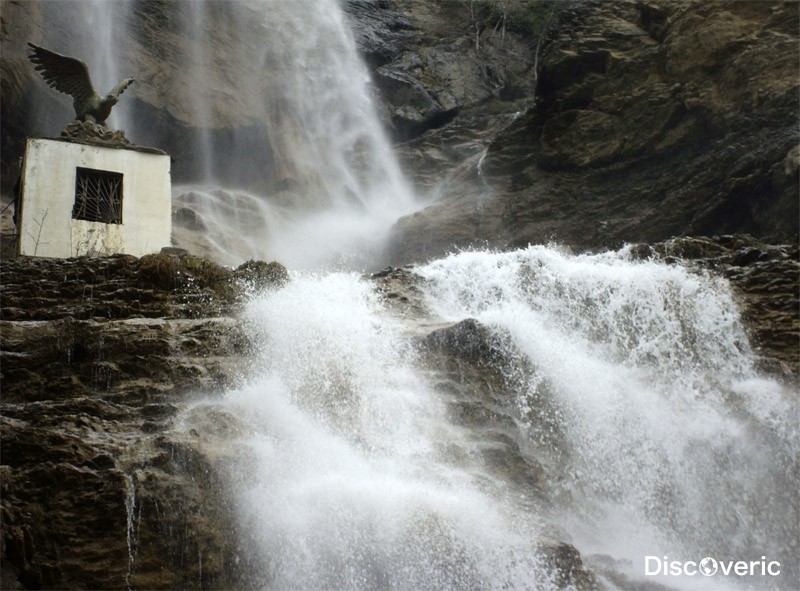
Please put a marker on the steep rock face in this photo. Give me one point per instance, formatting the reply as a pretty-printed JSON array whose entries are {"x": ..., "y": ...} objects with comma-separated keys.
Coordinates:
[
  {"x": 653, "y": 119},
  {"x": 431, "y": 60},
  {"x": 98, "y": 358}
]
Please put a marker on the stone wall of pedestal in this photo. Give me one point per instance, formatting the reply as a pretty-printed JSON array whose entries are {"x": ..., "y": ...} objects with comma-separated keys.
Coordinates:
[{"x": 80, "y": 199}]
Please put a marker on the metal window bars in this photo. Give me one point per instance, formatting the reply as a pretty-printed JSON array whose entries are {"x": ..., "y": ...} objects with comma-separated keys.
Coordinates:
[{"x": 98, "y": 196}]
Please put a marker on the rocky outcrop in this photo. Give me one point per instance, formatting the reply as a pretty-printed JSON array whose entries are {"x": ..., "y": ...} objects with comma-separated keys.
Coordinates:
[
  {"x": 480, "y": 373},
  {"x": 98, "y": 358},
  {"x": 765, "y": 276},
  {"x": 431, "y": 60},
  {"x": 652, "y": 119}
]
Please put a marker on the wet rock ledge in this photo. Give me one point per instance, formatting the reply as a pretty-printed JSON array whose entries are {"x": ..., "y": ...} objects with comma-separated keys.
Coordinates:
[
  {"x": 98, "y": 355},
  {"x": 766, "y": 279}
]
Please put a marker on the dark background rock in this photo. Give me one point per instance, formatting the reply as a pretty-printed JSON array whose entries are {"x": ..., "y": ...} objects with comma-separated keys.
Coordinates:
[
  {"x": 431, "y": 60},
  {"x": 652, "y": 120}
]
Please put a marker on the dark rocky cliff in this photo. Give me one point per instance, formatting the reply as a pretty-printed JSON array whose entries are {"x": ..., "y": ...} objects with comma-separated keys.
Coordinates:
[
  {"x": 652, "y": 119},
  {"x": 98, "y": 356}
]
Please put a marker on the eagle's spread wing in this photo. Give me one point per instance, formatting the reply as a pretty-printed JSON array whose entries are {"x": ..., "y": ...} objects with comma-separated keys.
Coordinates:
[
  {"x": 120, "y": 88},
  {"x": 66, "y": 74}
]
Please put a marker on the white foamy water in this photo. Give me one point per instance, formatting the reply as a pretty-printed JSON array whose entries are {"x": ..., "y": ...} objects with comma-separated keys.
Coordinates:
[
  {"x": 643, "y": 388},
  {"x": 346, "y": 478},
  {"x": 658, "y": 435}
]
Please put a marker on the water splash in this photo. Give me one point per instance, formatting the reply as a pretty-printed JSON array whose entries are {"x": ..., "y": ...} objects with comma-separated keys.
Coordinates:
[
  {"x": 350, "y": 476},
  {"x": 644, "y": 389}
]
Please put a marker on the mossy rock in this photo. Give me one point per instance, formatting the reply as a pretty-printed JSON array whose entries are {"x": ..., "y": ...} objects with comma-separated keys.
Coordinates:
[
  {"x": 169, "y": 272},
  {"x": 217, "y": 287},
  {"x": 159, "y": 271},
  {"x": 260, "y": 275}
]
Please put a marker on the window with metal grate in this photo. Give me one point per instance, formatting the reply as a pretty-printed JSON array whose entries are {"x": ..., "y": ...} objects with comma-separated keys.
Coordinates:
[{"x": 98, "y": 196}]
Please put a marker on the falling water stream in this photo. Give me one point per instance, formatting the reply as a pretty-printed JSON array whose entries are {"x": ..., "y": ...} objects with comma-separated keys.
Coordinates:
[
  {"x": 640, "y": 399},
  {"x": 109, "y": 22},
  {"x": 340, "y": 187}
]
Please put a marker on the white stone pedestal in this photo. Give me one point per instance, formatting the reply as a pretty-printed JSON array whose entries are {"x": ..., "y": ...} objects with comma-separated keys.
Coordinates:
[{"x": 79, "y": 199}]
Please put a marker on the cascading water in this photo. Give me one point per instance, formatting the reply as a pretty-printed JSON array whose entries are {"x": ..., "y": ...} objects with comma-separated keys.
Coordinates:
[
  {"x": 641, "y": 399},
  {"x": 347, "y": 478},
  {"x": 339, "y": 187},
  {"x": 667, "y": 441}
]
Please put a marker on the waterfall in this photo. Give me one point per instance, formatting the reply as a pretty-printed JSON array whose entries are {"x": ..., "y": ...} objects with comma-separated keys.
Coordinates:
[
  {"x": 331, "y": 186},
  {"x": 641, "y": 400},
  {"x": 668, "y": 442},
  {"x": 338, "y": 187},
  {"x": 347, "y": 477},
  {"x": 639, "y": 397},
  {"x": 198, "y": 65},
  {"x": 635, "y": 386}
]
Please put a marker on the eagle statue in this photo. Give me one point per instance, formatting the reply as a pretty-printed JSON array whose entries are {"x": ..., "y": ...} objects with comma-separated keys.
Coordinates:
[{"x": 71, "y": 76}]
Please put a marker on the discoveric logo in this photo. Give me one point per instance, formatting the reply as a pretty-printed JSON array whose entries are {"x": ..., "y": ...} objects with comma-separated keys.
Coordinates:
[{"x": 708, "y": 566}]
